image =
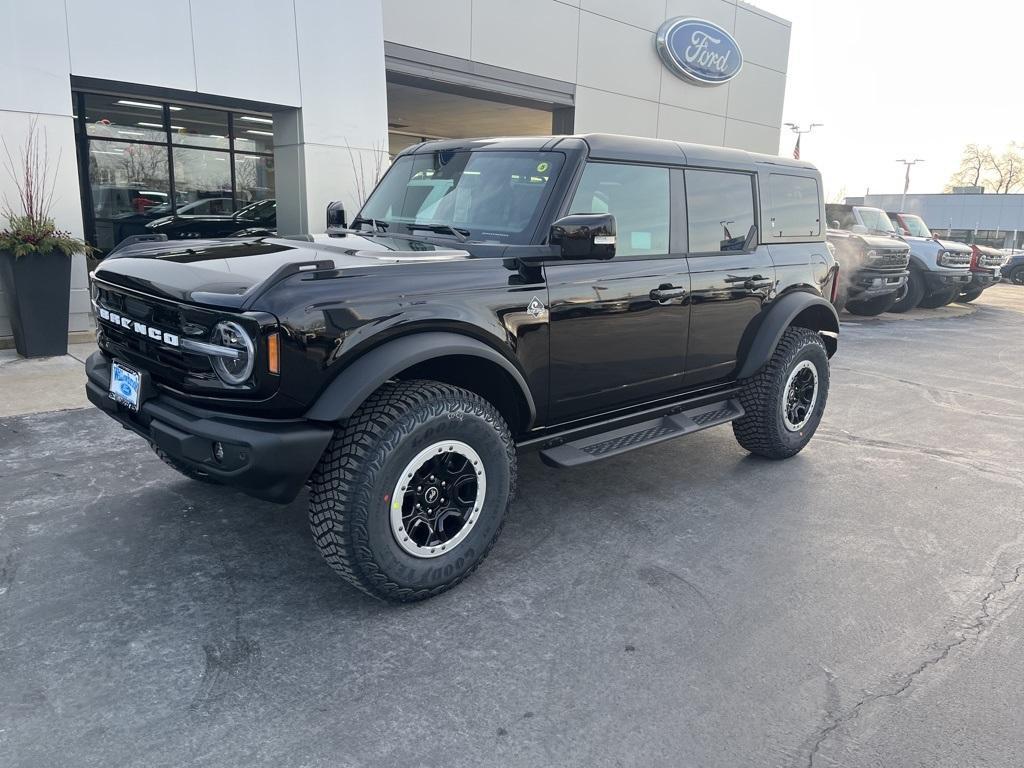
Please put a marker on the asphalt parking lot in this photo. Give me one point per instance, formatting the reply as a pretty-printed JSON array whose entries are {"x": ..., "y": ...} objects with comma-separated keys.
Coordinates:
[{"x": 680, "y": 605}]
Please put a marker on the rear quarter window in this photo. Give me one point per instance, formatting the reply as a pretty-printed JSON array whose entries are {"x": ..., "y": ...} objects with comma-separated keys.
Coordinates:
[{"x": 794, "y": 207}]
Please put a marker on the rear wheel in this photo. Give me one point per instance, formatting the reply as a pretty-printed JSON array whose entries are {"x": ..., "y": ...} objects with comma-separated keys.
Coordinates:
[
  {"x": 968, "y": 296},
  {"x": 939, "y": 298},
  {"x": 910, "y": 294},
  {"x": 783, "y": 402},
  {"x": 410, "y": 496},
  {"x": 871, "y": 307}
]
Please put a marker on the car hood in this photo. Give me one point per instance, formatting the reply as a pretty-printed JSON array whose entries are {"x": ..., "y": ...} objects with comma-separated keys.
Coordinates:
[
  {"x": 232, "y": 273},
  {"x": 952, "y": 245}
]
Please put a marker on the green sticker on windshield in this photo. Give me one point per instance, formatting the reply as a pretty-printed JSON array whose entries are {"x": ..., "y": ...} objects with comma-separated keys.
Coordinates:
[{"x": 541, "y": 167}]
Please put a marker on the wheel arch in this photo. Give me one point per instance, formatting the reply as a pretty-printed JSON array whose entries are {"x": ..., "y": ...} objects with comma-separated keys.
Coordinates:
[
  {"x": 800, "y": 309},
  {"x": 443, "y": 356}
]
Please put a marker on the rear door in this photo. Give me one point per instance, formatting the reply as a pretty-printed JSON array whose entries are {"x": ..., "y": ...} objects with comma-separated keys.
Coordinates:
[
  {"x": 618, "y": 327},
  {"x": 731, "y": 276}
]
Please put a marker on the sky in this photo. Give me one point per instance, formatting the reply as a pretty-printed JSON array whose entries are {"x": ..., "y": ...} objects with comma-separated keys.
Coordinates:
[{"x": 900, "y": 79}]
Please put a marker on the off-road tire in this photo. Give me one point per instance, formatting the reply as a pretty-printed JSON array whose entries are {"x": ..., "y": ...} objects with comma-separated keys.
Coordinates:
[
  {"x": 968, "y": 296},
  {"x": 1016, "y": 275},
  {"x": 187, "y": 471},
  {"x": 871, "y": 307},
  {"x": 939, "y": 298},
  {"x": 762, "y": 429},
  {"x": 912, "y": 295},
  {"x": 351, "y": 487}
]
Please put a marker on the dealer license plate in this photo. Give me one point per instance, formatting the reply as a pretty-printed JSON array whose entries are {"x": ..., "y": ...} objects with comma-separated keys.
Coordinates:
[{"x": 125, "y": 385}]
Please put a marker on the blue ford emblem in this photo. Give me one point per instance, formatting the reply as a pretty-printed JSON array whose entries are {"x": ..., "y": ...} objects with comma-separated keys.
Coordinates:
[{"x": 699, "y": 51}]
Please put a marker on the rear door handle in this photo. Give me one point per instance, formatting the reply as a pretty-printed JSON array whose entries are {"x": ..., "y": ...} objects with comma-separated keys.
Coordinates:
[
  {"x": 667, "y": 292},
  {"x": 755, "y": 281}
]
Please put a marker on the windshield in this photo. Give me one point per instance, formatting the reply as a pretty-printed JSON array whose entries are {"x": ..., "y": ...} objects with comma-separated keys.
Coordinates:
[
  {"x": 875, "y": 219},
  {"x": 915, "y": 225},
  {"x": 487, "y": 196}
]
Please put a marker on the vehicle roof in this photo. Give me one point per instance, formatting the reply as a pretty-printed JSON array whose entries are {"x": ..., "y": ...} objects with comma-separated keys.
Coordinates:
[{"x": 608, "y": 146}]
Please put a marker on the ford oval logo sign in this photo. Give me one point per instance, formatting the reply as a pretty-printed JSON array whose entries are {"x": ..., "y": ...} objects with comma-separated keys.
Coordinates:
[{"x": 699, "y": 51}]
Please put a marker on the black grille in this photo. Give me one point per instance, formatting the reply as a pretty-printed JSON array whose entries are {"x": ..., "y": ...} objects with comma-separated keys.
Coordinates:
[
  {"x": 165, "y": 362},
  {"x": 891, "y": 258}
]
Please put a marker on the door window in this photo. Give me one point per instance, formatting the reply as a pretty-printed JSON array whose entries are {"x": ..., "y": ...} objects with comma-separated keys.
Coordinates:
[
  {"x": 795, "y": 209},
  {"x": 719, "y": 209},
  {"x": 638, "y": 197}
]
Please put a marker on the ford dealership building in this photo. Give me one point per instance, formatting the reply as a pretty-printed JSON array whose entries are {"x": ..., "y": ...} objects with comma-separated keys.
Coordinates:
[{"x": 209, "y": 107}]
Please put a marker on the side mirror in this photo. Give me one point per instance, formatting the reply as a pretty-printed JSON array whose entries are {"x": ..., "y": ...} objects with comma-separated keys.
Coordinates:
[
  {"x": 584, "y": 236},
  {"x": 336, "y": 215}
]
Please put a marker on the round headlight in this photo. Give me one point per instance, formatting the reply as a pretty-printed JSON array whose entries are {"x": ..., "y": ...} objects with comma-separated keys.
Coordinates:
[{"x": 233, "y": 370}]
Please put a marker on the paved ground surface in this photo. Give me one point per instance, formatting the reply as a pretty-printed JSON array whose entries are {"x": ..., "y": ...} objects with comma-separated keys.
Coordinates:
[
  {"x": 43, "y": 384},
  {"x": 683, "y": 605}
]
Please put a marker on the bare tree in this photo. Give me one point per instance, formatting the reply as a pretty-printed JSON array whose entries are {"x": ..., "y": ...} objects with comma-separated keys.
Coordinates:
[
  {"x": 973, "y": 164},
  {"x": 980, "y": 166},
  {"x": 1007, "y": 170},
  {"x": 367, "y": 172}
]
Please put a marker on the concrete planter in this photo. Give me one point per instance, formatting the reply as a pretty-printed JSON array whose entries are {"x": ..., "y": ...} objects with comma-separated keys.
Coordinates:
[{"x": 38, "y": 287}]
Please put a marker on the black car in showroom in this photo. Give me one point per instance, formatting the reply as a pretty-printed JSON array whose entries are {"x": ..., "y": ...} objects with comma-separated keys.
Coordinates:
[{"x": 259, "y": 218}]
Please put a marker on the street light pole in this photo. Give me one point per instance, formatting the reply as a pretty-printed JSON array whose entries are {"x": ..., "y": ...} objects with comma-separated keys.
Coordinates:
[
  {"x": 906, "y": 181},
  {"x": 795, "y": 128}
]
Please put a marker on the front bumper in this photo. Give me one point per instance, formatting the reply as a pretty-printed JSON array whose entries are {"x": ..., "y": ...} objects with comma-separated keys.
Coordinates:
[
  {"x": 870, "y": 283},
  {"x": 946, "y": 280},
  {"x": 267, "y": 458},
  {"x": 984, "y": 279}
]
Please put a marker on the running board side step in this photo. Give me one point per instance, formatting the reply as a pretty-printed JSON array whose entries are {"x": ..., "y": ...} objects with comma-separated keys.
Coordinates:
[{"x": 616, "y": 441}]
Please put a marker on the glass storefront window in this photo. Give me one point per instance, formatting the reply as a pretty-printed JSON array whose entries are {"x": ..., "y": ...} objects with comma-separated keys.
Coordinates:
[
  {"x": 254, "y": 178},
  {"x": 253, "y": 133},
  {"x": 202, "y": 175},
  {"x": 149, "y": 159},
  {"x": 112, "y": 117},
  {"x": 129, "y": 185},
  {"x": 198, "y": 127}
]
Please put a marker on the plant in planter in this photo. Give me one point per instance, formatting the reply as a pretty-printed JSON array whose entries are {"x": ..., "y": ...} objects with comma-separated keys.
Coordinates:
[{"x": 35, "y": 256}]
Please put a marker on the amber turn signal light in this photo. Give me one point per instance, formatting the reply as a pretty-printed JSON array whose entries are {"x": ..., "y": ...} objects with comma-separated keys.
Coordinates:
[{"x": 274, "y": 353}]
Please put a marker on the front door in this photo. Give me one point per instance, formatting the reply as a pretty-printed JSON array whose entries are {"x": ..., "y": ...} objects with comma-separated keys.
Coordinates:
[
  {"x": 730, "y": 277},
  {"x": 618, "y": 327}
]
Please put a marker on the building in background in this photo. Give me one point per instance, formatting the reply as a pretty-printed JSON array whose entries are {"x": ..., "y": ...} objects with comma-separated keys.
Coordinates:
[
  {"x": 206, "y": 108},
  {"x": 993, "y": 220}
]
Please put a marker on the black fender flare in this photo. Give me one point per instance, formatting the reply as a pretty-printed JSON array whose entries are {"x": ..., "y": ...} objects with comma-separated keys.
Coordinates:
[
  {"x": 358, "y": 381},
  {"x": 807, "y": 309}
]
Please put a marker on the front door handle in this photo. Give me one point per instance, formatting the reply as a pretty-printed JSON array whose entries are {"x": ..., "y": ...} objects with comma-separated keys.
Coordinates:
[{"x": 667, "y": 292}]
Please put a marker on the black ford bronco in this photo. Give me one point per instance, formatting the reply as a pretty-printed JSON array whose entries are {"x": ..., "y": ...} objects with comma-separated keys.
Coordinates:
[{"x": 580, "y": 296}]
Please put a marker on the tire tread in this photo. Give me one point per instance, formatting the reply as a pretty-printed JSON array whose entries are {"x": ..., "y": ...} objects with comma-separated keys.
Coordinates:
[{"x": 341, "y": 483}]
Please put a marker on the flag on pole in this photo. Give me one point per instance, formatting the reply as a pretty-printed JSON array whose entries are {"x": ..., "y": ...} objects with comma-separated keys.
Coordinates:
[{"x": 796, "y": 149}]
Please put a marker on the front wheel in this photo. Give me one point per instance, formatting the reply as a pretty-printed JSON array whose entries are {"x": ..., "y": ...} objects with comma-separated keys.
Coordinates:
[
  {"x": 784, "y": 401},
  {"x": 410, "y": 496},
  {"x": 910, "y": 294},
  {"x": 969, "y": 295},
  {"x": 939, "y": 298},
  {"x": 872, "y": 307},
  {"x": 1017, "y": 275}
]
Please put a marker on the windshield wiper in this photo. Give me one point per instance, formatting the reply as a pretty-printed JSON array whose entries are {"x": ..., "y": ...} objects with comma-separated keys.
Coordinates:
[
  {"x": 462, "y": 235},
  {"x": 378, "y": 226}
]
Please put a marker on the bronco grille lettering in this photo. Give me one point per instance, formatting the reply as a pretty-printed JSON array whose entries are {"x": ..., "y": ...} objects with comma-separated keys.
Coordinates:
[{"x": 156, "y": 334}]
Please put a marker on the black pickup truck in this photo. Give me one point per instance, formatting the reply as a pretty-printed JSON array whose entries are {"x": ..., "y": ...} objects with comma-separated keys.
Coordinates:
[{"x": 578, "y": 296}]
